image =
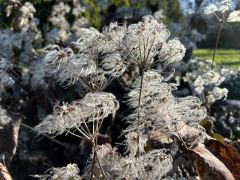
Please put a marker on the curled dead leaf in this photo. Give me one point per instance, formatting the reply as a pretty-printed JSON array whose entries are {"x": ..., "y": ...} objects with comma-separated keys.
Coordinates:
[
  {"x": 227, "y": 154},
  {"x": 9, "y": 139},
  {"x": 160, "y": 137},
  {"x": 208, "y": 166},
  {"x": 4, "y": 174},
  {"x": 190, "y": 135}
]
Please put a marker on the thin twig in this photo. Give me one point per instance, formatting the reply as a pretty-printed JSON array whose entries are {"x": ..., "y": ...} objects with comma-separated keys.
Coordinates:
[
  {"x": 217, "y": 41},
  {"x": 139, "y": 106},
  {"x": 93, "y": 162},
  {"x": 46, "y": 136},
  {"x": 100, "y": 166}
]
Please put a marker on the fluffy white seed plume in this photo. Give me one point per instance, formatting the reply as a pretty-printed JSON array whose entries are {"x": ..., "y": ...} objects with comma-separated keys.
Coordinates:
[
  {"x": 234, "y": 16},
  {"x": 216, "y": 94},
  {"x": 153, "y": 87},
  {"x": 5, "y": 79},
  {"x": 143, "y": 40},
  {"x": 37, "y": 71},
  {"x": 211, "y": 9},
  {"x": 71, "y": 171},
  {"x": 89, "y": 40},
  {"x": 221, "y": 12},
  {"x": 159, "y": 108},
  {"x": 114, "y": 34},
  {"x": 80, "y": 65},
  {"x": 107, "y": 55},
  {"x": 171, "y": 52},
  {"x": 152, "y": 165},
  {"x": 188, "y": 109},
  {"x": 135, "y": 143},
  {"x": 94, "y": 107},
  {"x": 56, "y": 58},
  {"x": 109, "y": 160},
  {"x": 113, "y": 64},
  {"x": 4, "y": 118},
  {"x": 211, "y": 78},
  {"x": 225, "y": 6}
]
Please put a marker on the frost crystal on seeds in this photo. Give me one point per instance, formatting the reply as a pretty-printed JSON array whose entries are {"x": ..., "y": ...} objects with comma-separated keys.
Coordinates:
[{"x": 93, "y": 107}]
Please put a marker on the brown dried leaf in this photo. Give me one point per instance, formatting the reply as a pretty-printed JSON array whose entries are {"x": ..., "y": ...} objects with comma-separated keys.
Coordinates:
[
  {"x": 160, "y": 137},
  {"x": 227, "y": 154},
  {"x": 208, "y": 166},
  {"x": 9, "y": 139},
  {"x": 188, "y": 133},
  {"x": 4, "y": 174}
]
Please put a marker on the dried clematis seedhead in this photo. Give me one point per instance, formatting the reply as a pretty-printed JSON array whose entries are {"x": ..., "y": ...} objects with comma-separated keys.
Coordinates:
[
  {"x": 109, "y": 162},
  {"x": 143, "y": 40},
  {"x": 89, "y": 40},
  {"x": 211, "y": 9},
  {"x": 4, "y": 118},
  {"x": 171, "y": 52},
  {"x": 159, "y": 108},
  {"x": 152, "y": 165},
  {"x": 115, "y": 33},
  {"x": 71, "y": 171},
  {"x": 114, "y": 65},
  {"x": 80, "y": 65},
  {"x": 93, "y": 108},
  {"x": 135, "y": 143},
  {"x": 234, "y": 16},
  {"x": 5, "y": 79},
  {"x": 57, "y": 59},
  {"x": 216, "y": 94}
]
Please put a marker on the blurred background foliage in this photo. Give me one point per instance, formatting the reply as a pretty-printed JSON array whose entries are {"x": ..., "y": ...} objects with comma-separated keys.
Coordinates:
[
  {"x": 100, "y": 12},
  {"x": 95, "y": 9}
]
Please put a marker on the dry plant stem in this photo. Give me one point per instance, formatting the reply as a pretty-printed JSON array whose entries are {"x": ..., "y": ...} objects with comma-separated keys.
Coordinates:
[
  {"x": 139, "y": 106},
  {"x": 101, "y": 169},
  {"x": 95, "y": 158},
  {"x": 93, "y": 162},
  {"x": 217, "y": 41},
  {"x": 46, "y": 136}
]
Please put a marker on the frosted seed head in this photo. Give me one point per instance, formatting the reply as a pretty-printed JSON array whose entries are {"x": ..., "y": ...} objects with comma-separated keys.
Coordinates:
[
  {"x": 93, "y": 107},
  {"x": 4, "y": 118},
  {"x": 63, "y": 118},
  {"x": 171, "y": 52},
  {"x": 142, "y": 40},
  {"x": 152, "y": 165},
  {"x": 57, "y": 59},
  {"x": 114, "y": 65},
  {"x": 80, "y": 65},
  {"x": 216, "y": 94},
  {"x": 234, "y": 16},
  {"x": 71, "y": 171},
  {"x": 225, "y": 5},
  {"x": 135, "y": 143},
  {"x": 211, "y": 9},
  {"x": 114, "y": 33},
  {"x": 89, "y": 38}
]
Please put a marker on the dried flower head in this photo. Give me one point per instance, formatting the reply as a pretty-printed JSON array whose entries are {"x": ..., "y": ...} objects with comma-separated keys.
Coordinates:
[
  {"x": 93, "y": 108},
  {"x": 152, "y": 165},
  {"x": 216, "y": 94},
  {"x": 71, "y": 171},
  {"x": 4, "y": 118},
  {"x": 135, "y": 143},
  {"x": 159, "y": 108},
  {"x": 109, "y": 162}
]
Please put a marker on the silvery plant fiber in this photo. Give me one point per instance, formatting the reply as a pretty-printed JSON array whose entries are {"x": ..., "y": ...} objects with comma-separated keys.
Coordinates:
[{"x": 94, "y": 61}]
